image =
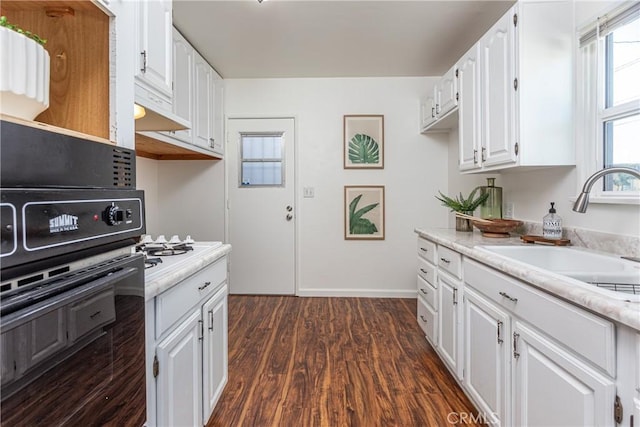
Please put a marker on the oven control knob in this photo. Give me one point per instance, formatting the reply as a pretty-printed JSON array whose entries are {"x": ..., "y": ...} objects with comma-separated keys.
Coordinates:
[{"x": 113, "y": 215}]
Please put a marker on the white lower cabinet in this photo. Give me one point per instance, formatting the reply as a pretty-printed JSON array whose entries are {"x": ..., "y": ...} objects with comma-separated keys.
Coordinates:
[
  {"x": 486, "y": 357},
  {"x": 554, "y": 388},
  {"x": 187, "y": 361},
  {"x": 523, "y": 356},
  {"x": 214, "y": 361},
  {"x": 178, "y": 382},
  {"x": 449, "y": 315}
]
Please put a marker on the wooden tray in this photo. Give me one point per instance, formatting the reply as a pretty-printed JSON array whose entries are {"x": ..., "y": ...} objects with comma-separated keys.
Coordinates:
[{"x": 539, "y": 239}]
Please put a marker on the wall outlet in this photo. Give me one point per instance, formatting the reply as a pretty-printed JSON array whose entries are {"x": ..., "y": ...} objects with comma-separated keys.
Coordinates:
[
  {"x": 508, "y": 211},
  {"x": 308, "y": 192}
]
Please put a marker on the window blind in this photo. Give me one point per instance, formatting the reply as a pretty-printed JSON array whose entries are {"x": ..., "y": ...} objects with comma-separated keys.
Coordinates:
[{"x": 609, "y": 22}]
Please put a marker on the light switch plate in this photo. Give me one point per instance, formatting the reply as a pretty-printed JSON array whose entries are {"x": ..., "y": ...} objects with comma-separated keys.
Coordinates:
[{"x": 308, "y": 192}]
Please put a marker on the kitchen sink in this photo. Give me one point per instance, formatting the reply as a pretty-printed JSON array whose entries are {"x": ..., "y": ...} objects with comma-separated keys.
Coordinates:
[{"x": 607, "y": 272}]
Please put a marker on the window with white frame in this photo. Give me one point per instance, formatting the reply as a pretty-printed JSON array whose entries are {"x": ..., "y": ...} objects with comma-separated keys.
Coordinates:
[
  {"x": 261, "y": 160},
  {"x": 609, "y": 98}
]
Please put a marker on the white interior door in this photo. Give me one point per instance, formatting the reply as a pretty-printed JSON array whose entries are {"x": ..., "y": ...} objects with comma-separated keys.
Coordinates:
[{"x": 260, "y": 160}]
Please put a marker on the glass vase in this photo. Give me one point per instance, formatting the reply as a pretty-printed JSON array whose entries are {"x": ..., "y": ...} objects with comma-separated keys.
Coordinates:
[
  {"x": 464, "y": 224},
  {"x": 492, "y": 207}
]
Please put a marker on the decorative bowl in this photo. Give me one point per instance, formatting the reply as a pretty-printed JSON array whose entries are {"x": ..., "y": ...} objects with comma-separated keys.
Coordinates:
[{"x": 497, "y": 227}]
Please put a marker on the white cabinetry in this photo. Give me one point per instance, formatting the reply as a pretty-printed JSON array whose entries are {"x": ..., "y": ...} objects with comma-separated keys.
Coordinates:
[
  {"x": 437, "y": 107},
  {"x": 427, "y": 291},
  {"x": 153, "y": 74},
  {"x": 178, "y": 382},
  {"x": 524, "y": 81},
  {"x": 187, "y": 348},
  {"x": 486, "y": 356},
  {"x": 449, "y": 297},
  {"x": 552, "y": 387},
  {"x": 183, "y": 81}
]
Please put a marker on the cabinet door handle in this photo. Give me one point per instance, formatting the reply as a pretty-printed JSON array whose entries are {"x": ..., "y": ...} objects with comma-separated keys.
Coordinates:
[
  {"x": 475, "y": 156},
  {"x": 484, "y": 154},
  {"x": 211, "y": 320},
  {"x": 204, "y": 286},
  {"x": 455, "y": 296},
  {"x": 212, "y": 142},
  {"x": 144, "y": 61},
  {"x": 423, "y": 290},
  {"x": 423, "y": 319},
  {"x": 433, "y": 112},
  {"x": 516, "y": 354},
  {"x": 500, "y": 340},
  {"x": 507, "y": 296},
  {"x": 446, "y": 261},
  {"x": 437, "y": 108},
  {"x": 201, "y": 337}
]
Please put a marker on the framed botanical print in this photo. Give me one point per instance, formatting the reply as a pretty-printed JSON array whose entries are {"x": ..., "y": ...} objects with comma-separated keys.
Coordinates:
[
  {"x": 363, "y": 142},
  {"x": 364, "y": 212}
]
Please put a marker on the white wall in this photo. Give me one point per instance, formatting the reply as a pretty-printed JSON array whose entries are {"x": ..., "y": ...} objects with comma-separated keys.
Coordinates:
[
  {"x": 183, "y": 197},
  {"x": 415, "y": 168}
]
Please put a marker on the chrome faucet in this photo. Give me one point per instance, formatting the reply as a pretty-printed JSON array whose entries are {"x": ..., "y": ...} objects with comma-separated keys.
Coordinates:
[{"x": 583, "y": 199}]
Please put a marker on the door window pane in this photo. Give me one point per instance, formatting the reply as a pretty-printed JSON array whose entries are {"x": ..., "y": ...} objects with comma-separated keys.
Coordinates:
[{"x": 261, "y": 160}]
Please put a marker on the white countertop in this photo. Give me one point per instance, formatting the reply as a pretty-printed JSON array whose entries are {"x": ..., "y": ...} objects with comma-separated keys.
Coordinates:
[
  {"x": 174, "y": 269},
  {"x": 584, "y": 295}
]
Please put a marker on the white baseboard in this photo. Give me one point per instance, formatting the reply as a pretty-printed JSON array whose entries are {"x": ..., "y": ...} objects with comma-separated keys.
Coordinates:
[{"x": 358, "y": 293}]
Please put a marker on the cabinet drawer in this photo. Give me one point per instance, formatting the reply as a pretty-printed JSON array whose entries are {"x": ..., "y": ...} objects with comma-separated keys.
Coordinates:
[
  {"x": 427, "y": 319},
  {"x": 427, "y": 250},
  {"x": 427, "y": 272},
  {"x": 450, "y": 261},
  {"x": 588, "y": 335},
  {"x": 428, "y": 292},
  {"x": 175, "y": 302}
]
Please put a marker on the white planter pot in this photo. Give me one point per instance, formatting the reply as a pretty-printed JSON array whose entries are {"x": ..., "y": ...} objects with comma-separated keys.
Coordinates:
[{"x": 24, "y": 75}]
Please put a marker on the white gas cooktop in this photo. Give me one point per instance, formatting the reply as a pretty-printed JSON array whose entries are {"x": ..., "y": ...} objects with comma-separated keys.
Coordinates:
[{"x": 172, "y": 262}]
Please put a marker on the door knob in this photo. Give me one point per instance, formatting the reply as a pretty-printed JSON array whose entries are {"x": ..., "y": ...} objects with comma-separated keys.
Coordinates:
[
  {"x": 289, "y": 208},
  {"x": 289, "y": 217}
]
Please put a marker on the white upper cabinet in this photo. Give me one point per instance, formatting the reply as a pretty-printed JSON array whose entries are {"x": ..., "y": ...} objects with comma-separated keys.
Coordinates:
[
  {"x": 469, "y": 108},
  {"x": 183, "y": 80},
  {"x": 436, "y": 107},
  {"x": 447, "y": 93},
  {"x": 203, "y": 94},
  {"x": 524, "y": 84},
  {"x": 154, "y": 50}
]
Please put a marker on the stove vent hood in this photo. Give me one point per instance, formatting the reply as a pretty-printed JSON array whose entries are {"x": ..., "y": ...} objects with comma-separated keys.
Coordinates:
[{"x": 156, "y": 119}]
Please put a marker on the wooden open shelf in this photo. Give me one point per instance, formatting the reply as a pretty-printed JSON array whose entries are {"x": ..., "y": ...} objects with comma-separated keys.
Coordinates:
[
  {"x": 78, "y": 43},
  {"x": 152, "y": 148}
]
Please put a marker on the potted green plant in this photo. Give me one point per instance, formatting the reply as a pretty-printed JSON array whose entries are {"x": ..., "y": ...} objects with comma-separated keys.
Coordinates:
[
  {"x": 24, "y": 81},
  {"x": 464, "y": 205}
]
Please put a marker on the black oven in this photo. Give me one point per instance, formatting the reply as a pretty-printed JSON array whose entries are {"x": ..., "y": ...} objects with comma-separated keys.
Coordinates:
[{"x": 72, "y": 343}]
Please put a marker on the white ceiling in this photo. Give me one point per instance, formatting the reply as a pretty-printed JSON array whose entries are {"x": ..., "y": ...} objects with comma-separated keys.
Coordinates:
[{"x": 333, "y": 38}]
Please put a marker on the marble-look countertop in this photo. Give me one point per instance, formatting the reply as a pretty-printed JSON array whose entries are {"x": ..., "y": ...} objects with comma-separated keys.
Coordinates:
[
  {"x": 159, "y": 283},
  {"x": 583, "y": 295}
]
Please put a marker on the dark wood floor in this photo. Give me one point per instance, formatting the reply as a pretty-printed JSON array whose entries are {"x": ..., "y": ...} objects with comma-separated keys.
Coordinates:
[{"x": 333, "y": 362}]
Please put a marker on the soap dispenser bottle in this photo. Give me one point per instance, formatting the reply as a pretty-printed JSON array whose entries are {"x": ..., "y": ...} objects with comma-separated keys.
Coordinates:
[{"x": 552, "y": 224}]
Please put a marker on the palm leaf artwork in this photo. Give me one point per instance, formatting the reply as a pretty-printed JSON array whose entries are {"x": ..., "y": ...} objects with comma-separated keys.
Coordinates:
[
  {"x": 357, "y": 224},
  {"x": 363, "y": 149}
]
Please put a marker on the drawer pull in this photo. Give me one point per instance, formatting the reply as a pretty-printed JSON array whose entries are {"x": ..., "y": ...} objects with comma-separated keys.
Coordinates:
[
  {"x": 507, "y": 296},
  {"x": 424, "y": 249},
  {"x": 423, "y": 290},
  {"x": 500, "y": 340},
  {"x": 516, "y": 354},
  {"x": 97, "y": 313},
  {"x": 423, "y": 319},
  {"x": 446, "y": 261},
  {"x": 424, "y": 271},
  {"x": 204, "y": 286}
]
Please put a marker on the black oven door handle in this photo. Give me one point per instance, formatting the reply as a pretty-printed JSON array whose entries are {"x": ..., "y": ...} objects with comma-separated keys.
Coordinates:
[{"x": 31, "y": 312}]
